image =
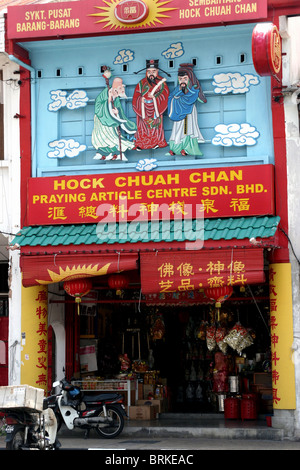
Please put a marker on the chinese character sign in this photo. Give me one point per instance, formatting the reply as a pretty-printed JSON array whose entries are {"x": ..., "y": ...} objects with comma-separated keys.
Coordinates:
[
  {"x": 209, "y": 193},
  {"x": 281, "y": 334},
  {"x": 185, "y": 271},
  {"x": 109, "y": 16},
  {"x": 35, "y": 337}
]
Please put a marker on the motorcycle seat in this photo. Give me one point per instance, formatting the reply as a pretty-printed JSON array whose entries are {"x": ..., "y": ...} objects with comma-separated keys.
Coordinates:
[{"x": 101, "y": 397}]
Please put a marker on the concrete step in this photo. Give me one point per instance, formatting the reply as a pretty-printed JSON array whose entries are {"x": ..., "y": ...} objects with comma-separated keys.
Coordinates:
[
  {"x": 146, "y": 430},
  {"x": 202, "y": 426},
  {"x": 213, "y": 426}
]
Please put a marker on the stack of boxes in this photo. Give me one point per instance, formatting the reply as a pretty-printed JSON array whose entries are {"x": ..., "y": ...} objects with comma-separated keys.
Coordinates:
[
  {"x": 262, "y": 386},
  {"x": 21, "y": 396},
  {"x": 152, "y": 399}
]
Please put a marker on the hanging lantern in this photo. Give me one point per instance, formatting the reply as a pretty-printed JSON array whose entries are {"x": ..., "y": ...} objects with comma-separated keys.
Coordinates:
[
  {"x": 119, "y": 282},
  {"x": 219, "y": 294},
  {"x": 78, "y": 288}
]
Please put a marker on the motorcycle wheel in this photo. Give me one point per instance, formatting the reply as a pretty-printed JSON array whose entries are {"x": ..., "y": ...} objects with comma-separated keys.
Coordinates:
[
  {"x": 114, "y": 428},
  {"x": 59, "y": 420},
  {"x": 17, "y": 441}
]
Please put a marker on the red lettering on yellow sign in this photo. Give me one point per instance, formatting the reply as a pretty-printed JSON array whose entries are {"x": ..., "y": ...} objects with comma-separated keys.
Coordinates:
[
  {"x": 274, "y": 337},
  {"x": 41, "y": 313}
]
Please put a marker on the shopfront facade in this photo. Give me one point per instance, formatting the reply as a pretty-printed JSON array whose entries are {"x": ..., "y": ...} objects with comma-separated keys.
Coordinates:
[{"x": 151, "y": 190}]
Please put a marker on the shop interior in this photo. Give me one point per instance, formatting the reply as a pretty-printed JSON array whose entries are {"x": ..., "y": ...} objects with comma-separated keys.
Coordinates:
[{"x": 185, "y": 351}]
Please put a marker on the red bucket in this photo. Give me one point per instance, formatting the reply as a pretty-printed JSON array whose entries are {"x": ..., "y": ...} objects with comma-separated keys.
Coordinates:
[
  {"x": 249, "y": 396},
  {"x": 248, "y": 408},
  {"x": 232, "y": 408}
]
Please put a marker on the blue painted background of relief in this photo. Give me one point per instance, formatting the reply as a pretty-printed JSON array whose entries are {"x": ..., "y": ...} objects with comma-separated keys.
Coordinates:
[{"x": 235, "y": 122}]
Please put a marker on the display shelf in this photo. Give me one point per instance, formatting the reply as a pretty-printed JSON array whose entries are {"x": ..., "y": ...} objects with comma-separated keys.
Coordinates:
[{"x": 116, "y": 385}]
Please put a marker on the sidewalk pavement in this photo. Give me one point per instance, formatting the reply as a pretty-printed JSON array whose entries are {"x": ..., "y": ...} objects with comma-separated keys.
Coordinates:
[{"x": 167, "y": 433}]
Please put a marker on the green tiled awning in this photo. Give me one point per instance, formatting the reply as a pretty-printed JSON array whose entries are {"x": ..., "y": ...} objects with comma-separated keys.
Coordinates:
[{"x": 239, "y": 228}]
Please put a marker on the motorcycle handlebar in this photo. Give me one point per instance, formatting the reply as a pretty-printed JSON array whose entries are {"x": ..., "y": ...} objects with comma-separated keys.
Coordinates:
[
  {"x": 65, "y": 385},
  {"x": 62, "y": 383}
]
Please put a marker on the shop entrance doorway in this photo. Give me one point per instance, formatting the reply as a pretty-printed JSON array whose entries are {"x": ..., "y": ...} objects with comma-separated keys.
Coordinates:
[
  {"x": 205, "y": 359},
  {"x": 192, "y": 355}
]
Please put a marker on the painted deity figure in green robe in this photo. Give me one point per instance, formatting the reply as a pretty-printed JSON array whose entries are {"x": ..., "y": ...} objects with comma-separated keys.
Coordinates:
[{"x": 110, "y": 136}]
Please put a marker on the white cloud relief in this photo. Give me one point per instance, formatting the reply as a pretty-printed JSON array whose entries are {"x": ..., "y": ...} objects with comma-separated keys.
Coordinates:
[
  {"x": 235, "y": 135},
  {"x": 234, "y": 82},
  {"x": 77, "y": 99},
  {"x": 65, "y": 148},
  {"x": 60, "y": 99},
  {"x": 175, "y": 50},
  {"x": 124, "y": 56},
  {"x": 146, "y": 164}
]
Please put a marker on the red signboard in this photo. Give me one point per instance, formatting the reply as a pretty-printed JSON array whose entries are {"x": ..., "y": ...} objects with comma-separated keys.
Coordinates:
[
  {"x": 190, "y": 271},
  {"x": 266, "y": 49},
  {"x": 176, "y": 194},
  {"x": 107, "y": 16}
]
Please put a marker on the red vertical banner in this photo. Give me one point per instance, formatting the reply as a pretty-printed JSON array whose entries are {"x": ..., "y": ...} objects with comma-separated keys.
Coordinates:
[{"x": 3, "y": 351}]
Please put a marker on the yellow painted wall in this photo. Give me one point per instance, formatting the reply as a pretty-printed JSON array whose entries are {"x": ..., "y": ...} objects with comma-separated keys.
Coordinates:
[
  {"x": 281, "y": 327},
  {"x": 34, "y": 341}
]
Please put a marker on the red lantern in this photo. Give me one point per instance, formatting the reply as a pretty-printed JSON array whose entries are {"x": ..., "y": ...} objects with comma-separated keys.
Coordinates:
[
  {"x": 78, "y": 288},
  {"x": 219, "y": 294},
  {"x": 118, "y": 281}
]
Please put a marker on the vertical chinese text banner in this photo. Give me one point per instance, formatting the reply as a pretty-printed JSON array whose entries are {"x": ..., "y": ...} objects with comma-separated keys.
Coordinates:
[
  {"x": 35, "y": 336},
  {"x": 281, "y": 330}
]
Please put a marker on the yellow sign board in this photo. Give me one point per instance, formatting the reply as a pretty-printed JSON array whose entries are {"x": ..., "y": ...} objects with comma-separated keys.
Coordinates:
[
  {"x": 281, "y": 328},
  {"x": 34, "y": 339}
]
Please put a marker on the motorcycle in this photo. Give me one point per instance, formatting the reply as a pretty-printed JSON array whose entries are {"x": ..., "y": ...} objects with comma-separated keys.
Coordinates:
[
  {"x": 104, "y": 412},
  {"x": 31, "y": 430}
]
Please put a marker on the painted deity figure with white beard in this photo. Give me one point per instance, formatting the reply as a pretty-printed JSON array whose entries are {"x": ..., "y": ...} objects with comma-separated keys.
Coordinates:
[{"x": 112, "y": 129}]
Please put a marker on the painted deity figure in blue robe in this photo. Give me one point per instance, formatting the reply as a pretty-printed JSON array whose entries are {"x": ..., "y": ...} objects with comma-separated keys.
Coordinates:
[{"x": 186, "y": 135}]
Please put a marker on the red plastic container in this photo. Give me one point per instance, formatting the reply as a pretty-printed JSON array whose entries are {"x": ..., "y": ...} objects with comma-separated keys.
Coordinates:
[
  {"x": 251, "y": 396},
  {"x": 248, "y": 408},
  {"x": 232, "y": 409}
]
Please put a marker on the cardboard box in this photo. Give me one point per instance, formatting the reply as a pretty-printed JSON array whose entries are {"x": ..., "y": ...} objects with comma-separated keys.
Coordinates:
[
  {"x": 266, "y": 393},
  {"x": 263, "y": 378},
  {"x": 140, "y": 391},
  {"x": 161, "y": 403},
  {"x": 21, "y": 396},
  {"x": 148, "y": 389},
  {"x": 125, "y": 397},
  {"x": 143, "y": 412}
]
